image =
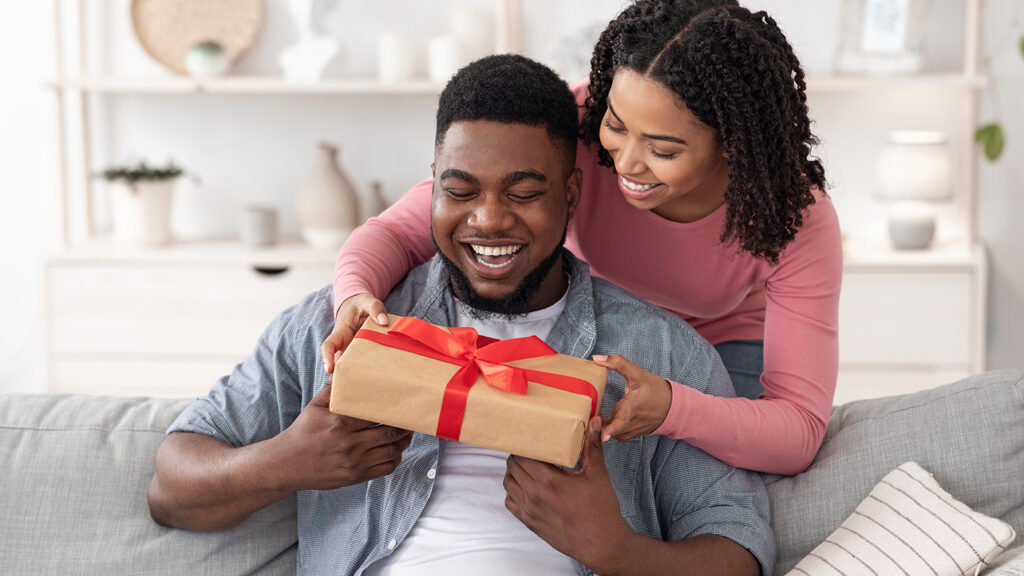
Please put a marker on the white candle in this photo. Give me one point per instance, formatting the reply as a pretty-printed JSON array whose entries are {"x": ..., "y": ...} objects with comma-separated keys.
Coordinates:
[
  {"x": 445, "y": 57},
  {"x": 395, "y": 59}
]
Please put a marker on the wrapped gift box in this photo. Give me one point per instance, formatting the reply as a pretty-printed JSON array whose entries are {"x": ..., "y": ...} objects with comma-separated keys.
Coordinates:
[{"x": 383, "y": 383}]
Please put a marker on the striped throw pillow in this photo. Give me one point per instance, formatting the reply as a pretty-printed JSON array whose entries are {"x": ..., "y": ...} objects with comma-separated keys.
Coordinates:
[{"x": 909, "y": 525}]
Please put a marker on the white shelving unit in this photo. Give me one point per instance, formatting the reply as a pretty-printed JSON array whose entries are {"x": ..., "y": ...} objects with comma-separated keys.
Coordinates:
[{"x": 908, "y": 320}]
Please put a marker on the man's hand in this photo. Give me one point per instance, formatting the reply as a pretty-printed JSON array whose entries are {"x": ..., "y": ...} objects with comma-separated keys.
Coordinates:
[
  {"x": 644, "y": 404},
  {"x": 577, "y": 513},
  {"x": 324, "y": 451},
  {"x": 351, "y": 315}
]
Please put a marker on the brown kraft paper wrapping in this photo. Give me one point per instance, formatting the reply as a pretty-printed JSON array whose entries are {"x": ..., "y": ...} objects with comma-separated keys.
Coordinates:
[{"x": 402, "y": 389}]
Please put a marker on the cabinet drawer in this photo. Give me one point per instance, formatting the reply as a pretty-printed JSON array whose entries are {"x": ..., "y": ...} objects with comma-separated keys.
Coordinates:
[
  {"x": 204, "y": 311},
  {"x": 905, "y": 319}
]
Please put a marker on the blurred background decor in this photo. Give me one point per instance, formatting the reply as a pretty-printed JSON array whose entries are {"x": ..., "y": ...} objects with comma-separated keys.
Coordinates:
[
  {"x": 914, "y": 169},
  {"x": 327, "y": 204},
  {"x": 168, "y": 29},
  {"x": 305, "y": 60},
  {"x": 207, "y": 59},
  {"x": 140, "y": 201},
  {"x": 882, "y": 36}
]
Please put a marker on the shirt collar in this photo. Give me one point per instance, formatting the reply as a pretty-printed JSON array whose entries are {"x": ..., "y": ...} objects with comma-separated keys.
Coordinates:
[{"x": 574, "y": 332}]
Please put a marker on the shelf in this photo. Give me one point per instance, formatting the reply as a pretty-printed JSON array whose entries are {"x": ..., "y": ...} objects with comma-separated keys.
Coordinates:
[
  {"x": 271, "y": 85},
  {"x": 242, "y": 85},
  {"x": 211, "y": 252},
  {"x": 879, "y": 256},
  {"x": 830, "y": 83}
]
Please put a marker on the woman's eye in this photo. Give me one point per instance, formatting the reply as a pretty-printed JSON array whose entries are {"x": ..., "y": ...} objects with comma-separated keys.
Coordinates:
[
  {"x": 616, "y": 129},
  {"x": 663, "y": 156}
]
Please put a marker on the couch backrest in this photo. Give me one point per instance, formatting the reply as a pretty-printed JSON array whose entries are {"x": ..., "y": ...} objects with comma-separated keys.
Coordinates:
[
  {"x": 969, "y": 435},
  {"x": 73, "y": 477}
]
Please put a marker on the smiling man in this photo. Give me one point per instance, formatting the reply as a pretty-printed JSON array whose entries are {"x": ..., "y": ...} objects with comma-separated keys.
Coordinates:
[{"x": 378, "y": 500}]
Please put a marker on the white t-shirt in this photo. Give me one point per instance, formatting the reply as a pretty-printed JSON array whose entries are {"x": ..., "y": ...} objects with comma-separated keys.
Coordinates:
[{"x": 465, "y": 527}]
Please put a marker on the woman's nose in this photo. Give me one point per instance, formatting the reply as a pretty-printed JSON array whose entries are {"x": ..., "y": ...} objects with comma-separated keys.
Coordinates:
[{"x": 629, "y": 158}]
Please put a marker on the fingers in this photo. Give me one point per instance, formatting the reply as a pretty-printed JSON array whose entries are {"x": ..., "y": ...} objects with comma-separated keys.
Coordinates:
[
  {"x": 593, "y": 450},
  {"x": 376, "y": 310},
  {"x": 323, "y": 397},
  {"x": 619, "y": 364},
  {"x": 335, "y": 344}
]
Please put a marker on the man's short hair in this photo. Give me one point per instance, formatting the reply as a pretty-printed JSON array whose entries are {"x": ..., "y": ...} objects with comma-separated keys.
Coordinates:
[{"x": 512, "y": 89}]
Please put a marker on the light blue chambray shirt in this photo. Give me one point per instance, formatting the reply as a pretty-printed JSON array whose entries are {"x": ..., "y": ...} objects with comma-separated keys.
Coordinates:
[{"x": 666, "y": 489}]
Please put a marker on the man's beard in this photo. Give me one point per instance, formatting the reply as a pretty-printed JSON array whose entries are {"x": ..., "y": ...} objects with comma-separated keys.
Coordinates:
[{"x": 517, "y": 303}]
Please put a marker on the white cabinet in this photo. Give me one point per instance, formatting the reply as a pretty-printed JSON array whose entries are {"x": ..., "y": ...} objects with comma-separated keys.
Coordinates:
[
  {"x": 168, "y": 321},
  {"x": 909, "y": 320}
]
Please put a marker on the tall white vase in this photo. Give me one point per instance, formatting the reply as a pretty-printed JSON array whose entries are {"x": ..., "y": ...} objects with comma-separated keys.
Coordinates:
[
  {"x": 327, "y": 205},
  {"x": 142, "y": 213}
]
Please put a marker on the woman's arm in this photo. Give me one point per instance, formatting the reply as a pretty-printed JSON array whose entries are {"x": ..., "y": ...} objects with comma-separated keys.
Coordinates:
[
  {"x": 781, "y": 431},
  {"x": 380, "y": 252}
]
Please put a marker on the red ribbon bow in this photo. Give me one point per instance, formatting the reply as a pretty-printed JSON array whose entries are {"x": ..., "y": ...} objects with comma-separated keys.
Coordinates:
[{"x": 475, "y": 355}]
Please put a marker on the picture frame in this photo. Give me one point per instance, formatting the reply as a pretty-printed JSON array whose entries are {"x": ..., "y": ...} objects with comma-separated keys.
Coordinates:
[{"x": 881, "y": 37}]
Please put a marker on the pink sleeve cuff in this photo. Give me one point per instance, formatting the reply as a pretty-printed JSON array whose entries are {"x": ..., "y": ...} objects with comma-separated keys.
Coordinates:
[{"x": 672, "y": 425}]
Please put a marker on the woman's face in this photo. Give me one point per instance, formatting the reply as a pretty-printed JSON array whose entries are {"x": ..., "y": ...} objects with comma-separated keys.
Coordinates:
[{"x": 667, "y": 160}]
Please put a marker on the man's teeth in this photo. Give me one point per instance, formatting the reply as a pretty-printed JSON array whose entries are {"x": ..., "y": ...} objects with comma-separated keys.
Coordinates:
[
  {"x": 495, "y": 250},
  {"x": 481, "y": 251},
  {"x": 636, "y": 187}
]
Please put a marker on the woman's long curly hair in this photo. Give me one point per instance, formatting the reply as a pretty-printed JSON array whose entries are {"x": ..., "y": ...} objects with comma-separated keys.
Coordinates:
[{"x": 737, "y": 73}]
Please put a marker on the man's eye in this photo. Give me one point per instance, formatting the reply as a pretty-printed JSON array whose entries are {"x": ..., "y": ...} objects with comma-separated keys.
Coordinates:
[
  {"x": 459, "y": 194},
  {"x": 525, "y": 196}
]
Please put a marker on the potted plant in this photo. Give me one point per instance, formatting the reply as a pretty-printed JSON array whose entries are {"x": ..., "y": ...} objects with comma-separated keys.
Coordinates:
[{"x": 140, "y": 201}]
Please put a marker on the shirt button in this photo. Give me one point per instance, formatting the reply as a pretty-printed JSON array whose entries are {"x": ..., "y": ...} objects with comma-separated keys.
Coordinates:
[
  {"x": 392, "y": 544},
  {"x": 431, "y": 473}
]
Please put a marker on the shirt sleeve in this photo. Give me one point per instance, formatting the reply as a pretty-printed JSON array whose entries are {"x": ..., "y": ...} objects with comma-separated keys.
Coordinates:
[
  {"x": 380, "y": 252},
  {"x": 265, "y": 393},
  {"x": 781, "y": 431}
]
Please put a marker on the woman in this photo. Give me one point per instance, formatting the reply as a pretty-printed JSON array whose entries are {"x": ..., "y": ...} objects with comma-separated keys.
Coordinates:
[{"x": 699, "y": 195}]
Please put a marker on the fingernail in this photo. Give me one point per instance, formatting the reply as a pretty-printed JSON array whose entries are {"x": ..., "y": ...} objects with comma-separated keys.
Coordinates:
[
  {"x": 606, "y": 437},
  {"x": 600, "y": 357},
  {"x": 325, "y": 365},
  {"x": 382, "y": 319}
]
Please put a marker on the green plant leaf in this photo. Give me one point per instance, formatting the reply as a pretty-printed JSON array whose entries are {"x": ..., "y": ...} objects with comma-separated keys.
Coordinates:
[
  {"x": 992, "y": 139},
  {"x": 1022, "y": 46}
]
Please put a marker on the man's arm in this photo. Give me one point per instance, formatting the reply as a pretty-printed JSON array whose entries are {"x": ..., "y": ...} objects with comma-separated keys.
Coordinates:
[
  {"x": 202, "y": 483},
  {"x": 578, "y": 514}
]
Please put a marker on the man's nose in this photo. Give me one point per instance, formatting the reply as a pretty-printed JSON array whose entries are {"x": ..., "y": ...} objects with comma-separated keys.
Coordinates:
[{"x": 492, "y": 214}]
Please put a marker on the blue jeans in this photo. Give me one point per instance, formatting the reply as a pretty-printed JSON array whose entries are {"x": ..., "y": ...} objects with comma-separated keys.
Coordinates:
[{"x": 744, "y": 359}]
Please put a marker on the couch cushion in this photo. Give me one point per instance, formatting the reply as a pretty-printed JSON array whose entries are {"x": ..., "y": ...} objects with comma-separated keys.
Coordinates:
[
  {"x": 969, "y": 435},
  {"x": 73, "y": 477}
]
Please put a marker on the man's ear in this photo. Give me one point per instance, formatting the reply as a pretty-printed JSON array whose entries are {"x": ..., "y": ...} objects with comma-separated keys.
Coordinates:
[
  {"x": 572, "y": 190},
  {"x": 433, "y": 170}
]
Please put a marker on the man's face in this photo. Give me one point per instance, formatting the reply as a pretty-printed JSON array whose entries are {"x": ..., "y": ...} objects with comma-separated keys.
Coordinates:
[{"x": 503, "y": 194}]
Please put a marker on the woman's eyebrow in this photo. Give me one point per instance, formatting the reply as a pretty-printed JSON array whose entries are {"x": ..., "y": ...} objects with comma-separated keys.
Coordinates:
[{"x": 663, "y": 137}]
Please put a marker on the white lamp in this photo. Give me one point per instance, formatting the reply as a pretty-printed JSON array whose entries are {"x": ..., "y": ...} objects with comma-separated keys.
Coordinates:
[{"x": 913, "y": 170}]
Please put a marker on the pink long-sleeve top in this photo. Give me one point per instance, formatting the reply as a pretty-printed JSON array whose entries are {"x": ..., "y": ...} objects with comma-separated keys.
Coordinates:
[{"x": 682, "y": 267}]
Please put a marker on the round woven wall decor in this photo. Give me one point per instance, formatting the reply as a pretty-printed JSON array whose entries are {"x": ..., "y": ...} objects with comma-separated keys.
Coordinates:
[{"x": 167, "y": 29}]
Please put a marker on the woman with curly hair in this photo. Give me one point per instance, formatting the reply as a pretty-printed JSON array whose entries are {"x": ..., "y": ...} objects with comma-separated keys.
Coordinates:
[{"x": 699, "y": 195}]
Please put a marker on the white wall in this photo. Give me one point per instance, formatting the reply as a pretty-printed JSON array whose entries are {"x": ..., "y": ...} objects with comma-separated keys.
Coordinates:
[{"x": 257, "y": 149}]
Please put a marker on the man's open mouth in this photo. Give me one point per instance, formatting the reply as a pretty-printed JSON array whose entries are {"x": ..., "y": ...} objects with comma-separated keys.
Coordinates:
[{"x": 495, "y": 256}]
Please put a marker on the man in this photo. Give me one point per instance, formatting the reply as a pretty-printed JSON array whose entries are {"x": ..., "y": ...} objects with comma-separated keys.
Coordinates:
[{"x": 379, "y": 500}]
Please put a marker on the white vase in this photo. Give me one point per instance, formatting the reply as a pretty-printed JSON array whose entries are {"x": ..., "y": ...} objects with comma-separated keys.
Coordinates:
[
  {"x": 142, "y": 212},
  {"x": 327, "y": 205}
]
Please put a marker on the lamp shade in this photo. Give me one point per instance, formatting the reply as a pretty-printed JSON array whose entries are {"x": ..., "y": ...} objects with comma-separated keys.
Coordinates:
[{"x": 915, "y": 165}]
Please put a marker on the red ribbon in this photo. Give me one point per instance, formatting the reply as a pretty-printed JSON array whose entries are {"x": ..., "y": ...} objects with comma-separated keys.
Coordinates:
[{"x": 475, "y": 355}]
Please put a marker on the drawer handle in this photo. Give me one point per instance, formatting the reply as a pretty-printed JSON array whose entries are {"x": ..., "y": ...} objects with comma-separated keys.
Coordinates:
[{"x": 270, "y": 270}]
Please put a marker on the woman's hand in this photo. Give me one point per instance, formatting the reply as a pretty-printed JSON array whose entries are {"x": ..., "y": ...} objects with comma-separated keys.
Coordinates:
[
  {"x": 351, "y": 315},
  {"x": 644, "y": 404}
]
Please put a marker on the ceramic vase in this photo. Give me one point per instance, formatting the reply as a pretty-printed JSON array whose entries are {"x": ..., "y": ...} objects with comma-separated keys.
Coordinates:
[
  {"x": 327, "y": 205},
  {"x": 142, "y": 212}
]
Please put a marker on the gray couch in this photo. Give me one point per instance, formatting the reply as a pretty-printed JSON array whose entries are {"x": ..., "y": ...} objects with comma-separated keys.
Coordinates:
[{"x": 74, "y": 471}]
